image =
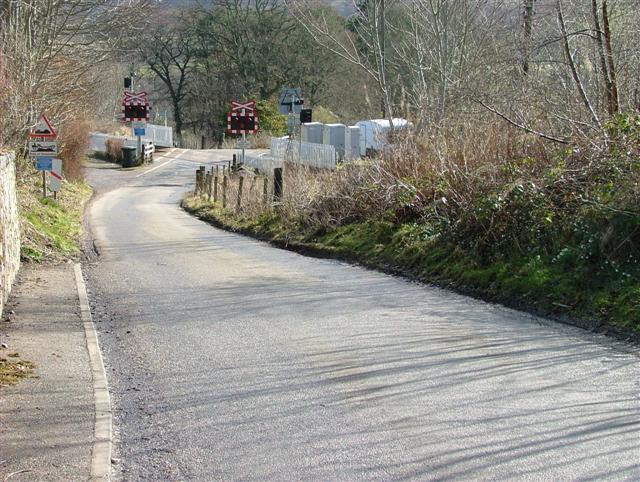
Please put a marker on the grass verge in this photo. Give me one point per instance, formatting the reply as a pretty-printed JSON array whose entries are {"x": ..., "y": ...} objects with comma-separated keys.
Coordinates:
[
  {"x": 541, "y": 284},
  {"x": 51, "y": 230}
]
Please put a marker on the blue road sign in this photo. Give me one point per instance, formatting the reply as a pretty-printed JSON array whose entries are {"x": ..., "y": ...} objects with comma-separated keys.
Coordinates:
[
  {"x": 44, "y": 163},
  {"x": 137, "y": 131}
]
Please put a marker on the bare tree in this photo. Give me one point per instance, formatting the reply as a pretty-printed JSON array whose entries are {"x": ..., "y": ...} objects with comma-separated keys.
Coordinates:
[
  {"x": 527, "y": 18},
  {"x": 169, "y": 52},
  {"x": 52, "y": 51},
  {"x": 365, "y": 44}
]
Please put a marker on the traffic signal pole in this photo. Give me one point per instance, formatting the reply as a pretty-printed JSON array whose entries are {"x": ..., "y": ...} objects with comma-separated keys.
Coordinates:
[
  {"x": 138, "y": 138},
  {"x": 244, "y": 143}
]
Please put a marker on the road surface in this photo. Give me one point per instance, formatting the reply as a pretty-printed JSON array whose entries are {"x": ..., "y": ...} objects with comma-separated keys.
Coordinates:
[{"x": 232, "y": 360}]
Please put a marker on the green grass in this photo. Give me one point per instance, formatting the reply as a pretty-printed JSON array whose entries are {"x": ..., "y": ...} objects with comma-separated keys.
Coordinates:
[
  {"x": 546, "y": 284},
  {"x": 51, "y": 230}
]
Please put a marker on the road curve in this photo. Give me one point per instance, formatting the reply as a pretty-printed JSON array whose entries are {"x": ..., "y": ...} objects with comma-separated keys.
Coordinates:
[{"x": 229, "y": 359}]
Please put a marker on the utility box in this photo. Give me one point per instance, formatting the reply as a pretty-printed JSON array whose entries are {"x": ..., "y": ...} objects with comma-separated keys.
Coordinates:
[
  {"x": 129, "y": 157},
  {"x": 335, "y": 135},
  {"x": 374, "y": 134},
  {"x": 352, "y": 143},
  {"x": 312, "y": 132}
]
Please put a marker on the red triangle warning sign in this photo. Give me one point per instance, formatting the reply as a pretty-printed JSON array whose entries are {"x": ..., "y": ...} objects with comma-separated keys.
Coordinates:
[{"x": 43, "y": 128}]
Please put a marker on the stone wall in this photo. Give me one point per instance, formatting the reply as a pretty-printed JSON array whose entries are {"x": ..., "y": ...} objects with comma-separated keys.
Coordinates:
[{"x": 9, "y": 227}]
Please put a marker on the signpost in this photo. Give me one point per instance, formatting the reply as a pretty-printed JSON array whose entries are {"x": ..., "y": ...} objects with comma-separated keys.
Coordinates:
[
  {"x": 43, "y": 147},
  {"x": 291, "y": 101},
  {"x": 136, "y": 109},
  {"x": 243, "y": 119},
  {"x": 243, "y": 144},
  {"x": 139, "y": 128},
  {"x": 44, "y": 163},
  {"x": 55, "y": 179},
  {"x": 43, "y": 129},
  {"x": 291, "y": 105}
]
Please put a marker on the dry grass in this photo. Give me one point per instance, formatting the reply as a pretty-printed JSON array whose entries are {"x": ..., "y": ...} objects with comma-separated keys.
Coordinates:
[
  {"x": 114, "y": 149},
  {"x": 261, "y": 140},
  {"x": 74, "y": 140},
  {"x": 111, "y": 128},
  {"x": 490, "y": 209},
  {"x": 12, "y": 371},
  {"x": 248, "y": 203},
  {"x": 489, "y": 188}
]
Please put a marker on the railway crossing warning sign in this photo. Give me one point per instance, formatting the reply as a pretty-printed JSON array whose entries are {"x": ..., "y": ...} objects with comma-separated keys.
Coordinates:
[
  {"x": 243, "y": 118},
  {"x": 43, "y": 129},
  {"x": 135, "y": 107}
]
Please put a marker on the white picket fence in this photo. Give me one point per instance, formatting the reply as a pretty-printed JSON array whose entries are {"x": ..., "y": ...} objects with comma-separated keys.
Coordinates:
[{"x": 321, "y": 156}]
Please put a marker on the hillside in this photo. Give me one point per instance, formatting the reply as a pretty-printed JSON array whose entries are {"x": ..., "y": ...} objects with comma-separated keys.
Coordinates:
[{"x": 345, "y": 7}]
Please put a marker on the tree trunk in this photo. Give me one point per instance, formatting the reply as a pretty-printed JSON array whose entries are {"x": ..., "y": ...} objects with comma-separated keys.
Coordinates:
[
  {"x": 572, "y": 65},
  {"x": 177, "y": 119},
  {"x": 604, "y": 70},
  {"x": 614, "y": 104},
  {"x": 528, "y": 34}
]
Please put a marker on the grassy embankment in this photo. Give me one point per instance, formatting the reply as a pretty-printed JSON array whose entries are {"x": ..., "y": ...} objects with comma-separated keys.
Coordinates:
[
  {"x": 51, "y": 230},
  {"x": 556, "y": 231}
]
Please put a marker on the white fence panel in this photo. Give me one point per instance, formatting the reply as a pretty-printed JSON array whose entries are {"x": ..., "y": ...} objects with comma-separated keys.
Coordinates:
[
  {"x": 263, "y": 163},
  {"x": 98, "y": 142},
  {"x": 309, "y": 154},
  {"x": 161, "y": 136}
]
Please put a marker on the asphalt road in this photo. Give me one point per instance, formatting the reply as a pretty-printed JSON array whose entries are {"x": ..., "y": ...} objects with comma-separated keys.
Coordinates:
[{"x": 231, "y": 360}]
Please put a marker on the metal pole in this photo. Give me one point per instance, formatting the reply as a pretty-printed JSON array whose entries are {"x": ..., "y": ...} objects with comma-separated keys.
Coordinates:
[
  {"x": 44, "y": 183},
  {"x": 244, "y": 140}
]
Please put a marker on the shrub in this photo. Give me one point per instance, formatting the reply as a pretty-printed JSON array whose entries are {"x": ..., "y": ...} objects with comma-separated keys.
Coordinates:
[
  {"x": 74, "y": 140},
  {"x": 114, "y": 149},
  {"x": 271, "y": 120}
]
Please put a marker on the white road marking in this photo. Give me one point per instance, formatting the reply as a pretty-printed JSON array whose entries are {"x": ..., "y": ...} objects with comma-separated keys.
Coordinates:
[{"x": 163, "y": 164}]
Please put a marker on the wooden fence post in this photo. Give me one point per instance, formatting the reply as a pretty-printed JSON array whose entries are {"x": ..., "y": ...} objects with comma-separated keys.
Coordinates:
[
  {"x": 195, "y": 190},
  {"x": 265, "y": 191},
  {"x": 278, "y": 185},
  {"x": 239, "y": 200},
  {"x": 215, "y": 186},
  {"x": 209, "y": 185},
  {"x": 224, "y": 191},
  {"x": 202, "y": 180}
]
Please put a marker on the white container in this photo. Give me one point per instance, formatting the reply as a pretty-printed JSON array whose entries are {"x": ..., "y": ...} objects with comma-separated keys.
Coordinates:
[
  {"x": 352, "y": 143},
  {"x": 335, "y": 135},
  {"x": 374, "y": 133},
  {"x": 312, "y": 132}
]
